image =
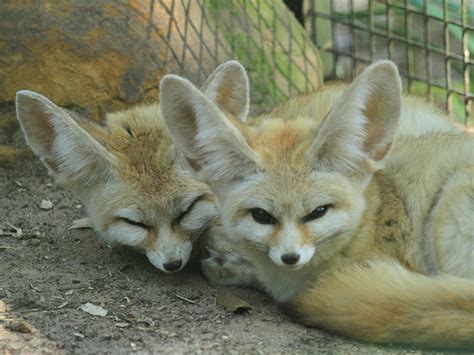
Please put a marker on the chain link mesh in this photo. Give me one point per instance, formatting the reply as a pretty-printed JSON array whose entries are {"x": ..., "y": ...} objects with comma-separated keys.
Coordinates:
[
  {"x": 262, "y": 34},
  {"x": 432, "y": 42}
]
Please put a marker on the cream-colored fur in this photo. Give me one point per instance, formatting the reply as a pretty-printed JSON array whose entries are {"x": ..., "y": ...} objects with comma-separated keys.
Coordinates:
[
  {"x": 343, "y": 206},
  {"x": 127, "y": 172}
]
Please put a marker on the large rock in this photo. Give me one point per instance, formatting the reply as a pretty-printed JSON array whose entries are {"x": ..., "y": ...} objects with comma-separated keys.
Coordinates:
[{"x": 100, "y": 56}]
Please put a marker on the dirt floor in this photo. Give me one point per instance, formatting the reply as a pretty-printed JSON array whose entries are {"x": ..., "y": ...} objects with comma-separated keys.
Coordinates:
[{"x": 47, "y": 272}]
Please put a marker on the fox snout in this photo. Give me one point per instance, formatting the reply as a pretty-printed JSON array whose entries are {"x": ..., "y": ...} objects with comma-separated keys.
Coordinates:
[
  {"x": 293, "y": 258},
  {"x": 168, "y": 258}
]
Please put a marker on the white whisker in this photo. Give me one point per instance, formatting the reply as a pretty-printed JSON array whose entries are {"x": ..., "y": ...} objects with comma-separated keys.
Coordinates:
[{"x": 204, "y": 228}]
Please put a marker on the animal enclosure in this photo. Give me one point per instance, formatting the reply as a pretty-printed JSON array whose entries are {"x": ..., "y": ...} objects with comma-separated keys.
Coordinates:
[{"x": 431, "y": 41}]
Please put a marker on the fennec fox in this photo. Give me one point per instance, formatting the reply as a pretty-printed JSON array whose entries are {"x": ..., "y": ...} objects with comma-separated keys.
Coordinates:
[
  {"x": 127, "y": 173},
  {"x": 358, "y": 234}
]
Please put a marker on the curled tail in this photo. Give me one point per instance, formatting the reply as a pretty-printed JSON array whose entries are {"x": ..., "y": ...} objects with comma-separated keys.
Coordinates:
[{"x": 383, "y": 302}]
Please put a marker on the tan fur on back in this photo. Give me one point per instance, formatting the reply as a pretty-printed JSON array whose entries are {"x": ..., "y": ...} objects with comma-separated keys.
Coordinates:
[
  {"x": 140, "y": 139},
  {"x": 353, "y": 204}
]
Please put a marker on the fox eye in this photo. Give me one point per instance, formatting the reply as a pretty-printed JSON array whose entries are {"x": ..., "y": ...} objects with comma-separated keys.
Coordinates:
[
  {"x": 188, "y": 209},
  {"x": 318, "y": 212},
  {"x": 261, "y": 216},
  {"x": 135, "y": 223}
]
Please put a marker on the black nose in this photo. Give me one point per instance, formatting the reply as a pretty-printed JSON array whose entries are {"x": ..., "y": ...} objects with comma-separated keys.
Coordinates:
[
  {"x": 290, "y": 259},
  {"x": 173, "y": 265}
]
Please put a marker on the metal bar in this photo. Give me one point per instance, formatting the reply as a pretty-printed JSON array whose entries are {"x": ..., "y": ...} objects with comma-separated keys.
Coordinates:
[
  {"x": 290, "y": 49},
  {"x": 397, "y": 38},
  {"x": 446, "y": 58},
  {"x": 423, "y": 12},
  {"x": 185, "y": 38},
  {"x": 333, "y": 40},
  {"x": 427, "y": 51},
  {"x": 408, "y": 48},
  {"x": 467, "y": 102},
  {"x": 371, "y": 32},
  {"x": 353, "y": 39},
  {"x": 389, "y": 42},
  {"x": 341, "y": 20}
]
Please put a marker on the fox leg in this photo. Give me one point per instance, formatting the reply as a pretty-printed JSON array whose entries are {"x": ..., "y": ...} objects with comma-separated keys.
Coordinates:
[
  {"x": 451, "y": 225},
  {"x": 225, "y": 263},
  {"x": 229, "y": 269}
]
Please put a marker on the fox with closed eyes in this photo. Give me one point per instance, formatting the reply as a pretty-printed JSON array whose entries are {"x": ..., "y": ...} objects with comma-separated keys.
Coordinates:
[
  {"x": 127, "y": 173},
  {"x": 352, "y": 205}
]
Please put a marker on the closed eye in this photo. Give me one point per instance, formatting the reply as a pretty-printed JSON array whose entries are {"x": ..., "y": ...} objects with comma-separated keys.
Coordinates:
[
  {"x": 135, "y": 223},
  {"x": 188, "y": 209}
]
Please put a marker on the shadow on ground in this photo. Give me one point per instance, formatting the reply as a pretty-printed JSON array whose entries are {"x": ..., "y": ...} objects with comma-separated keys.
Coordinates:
[{"x": 48, "y": 271}]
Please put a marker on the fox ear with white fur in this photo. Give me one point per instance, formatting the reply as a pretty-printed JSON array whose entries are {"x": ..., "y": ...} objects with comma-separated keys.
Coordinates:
[
  {"x": 228, "y": 88},
  {"x": 67, "y": 150},
  {"x": 362, "y": 124},
  {"x": 212, "y": 145}
]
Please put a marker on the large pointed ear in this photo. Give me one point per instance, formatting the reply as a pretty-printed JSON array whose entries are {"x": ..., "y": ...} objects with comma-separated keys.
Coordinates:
[
  {"x": 228, "y": 88},
  {"x": 213, "y": 146},
  {"x": 68, "y": 151},
  {"x": 362, "y": 124}
]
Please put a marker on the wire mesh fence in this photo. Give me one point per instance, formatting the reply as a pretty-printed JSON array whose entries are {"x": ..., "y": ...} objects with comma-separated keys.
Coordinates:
[
  {"x": 432, "y": 42},
  {"x": 262, "y": 34}
]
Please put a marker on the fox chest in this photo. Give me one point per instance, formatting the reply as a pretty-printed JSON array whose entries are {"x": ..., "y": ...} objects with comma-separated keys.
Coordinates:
[
  {"x": 282, "y": 285},
  {"x": 393, "y": 228}
]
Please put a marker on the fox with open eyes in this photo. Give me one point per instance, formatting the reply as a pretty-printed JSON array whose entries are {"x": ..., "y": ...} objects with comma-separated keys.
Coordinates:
[
  {"x": 361, "y": 229},
  {"x": 128, "y": 173}
]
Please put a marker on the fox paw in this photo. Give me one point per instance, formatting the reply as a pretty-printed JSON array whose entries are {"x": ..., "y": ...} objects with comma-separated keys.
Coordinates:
[{"x": 228, "y": 269}]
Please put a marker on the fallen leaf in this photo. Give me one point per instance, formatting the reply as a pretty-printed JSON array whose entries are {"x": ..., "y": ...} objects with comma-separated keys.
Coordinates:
[
  {"x": 93, "y": 309},
  {"x": 46, "y": 204},
  {"x": 19, "y": 326},
  {"x": 12, "y": 231},
  {"x": 62, "y": 305},
  {"x": 7, "y": 247},
  {"x": 81, "y": 224},
  {"x": 122, "y": 325},
  {"x": 233, "y": 303},
  {"x": 184, "y": 299},
  {"x": 34, "y": 288}
]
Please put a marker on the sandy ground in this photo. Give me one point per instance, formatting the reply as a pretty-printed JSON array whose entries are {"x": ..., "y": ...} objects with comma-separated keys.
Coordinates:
[{"x": 47, "y": 272}]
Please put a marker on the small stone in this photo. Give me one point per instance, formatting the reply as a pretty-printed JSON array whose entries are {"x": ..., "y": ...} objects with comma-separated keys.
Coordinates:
[
  {"x": 46, "y": 204},
  {"x": 34, "y": 241}
]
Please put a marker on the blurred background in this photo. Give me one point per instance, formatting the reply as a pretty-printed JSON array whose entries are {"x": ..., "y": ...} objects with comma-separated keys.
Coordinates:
[
  {"x": 95, "y": 57},
  {"x": 432, "y": 42}
]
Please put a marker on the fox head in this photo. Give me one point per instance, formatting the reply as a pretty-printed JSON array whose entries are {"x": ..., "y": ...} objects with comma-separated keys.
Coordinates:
[
  {"x": 128, "y": 173},
  {"x": 288, "y": 185}
]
